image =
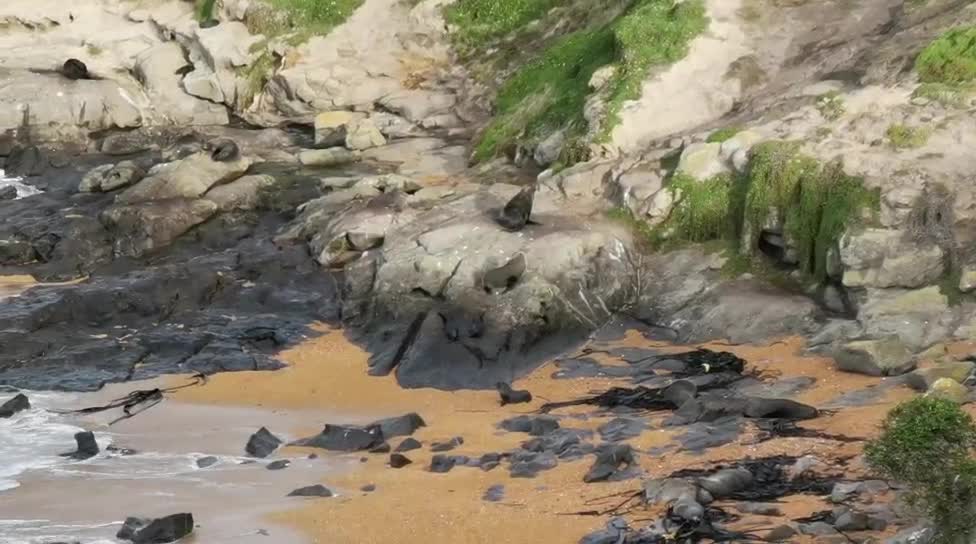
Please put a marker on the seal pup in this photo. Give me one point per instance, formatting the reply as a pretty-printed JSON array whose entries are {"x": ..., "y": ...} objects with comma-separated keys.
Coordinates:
[
  {"x": 74, "y": 69},
  {"x": 515, "y": 215},
  {"x": 224, "y": 151}
]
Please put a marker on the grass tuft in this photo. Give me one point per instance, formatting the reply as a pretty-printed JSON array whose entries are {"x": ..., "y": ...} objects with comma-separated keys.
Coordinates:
[
  {"x": 722, "y": 135},
  {"x": 950, "y": 59},
  {"x": 906, "y": 137},
  {"x": 298, "y": 20}
]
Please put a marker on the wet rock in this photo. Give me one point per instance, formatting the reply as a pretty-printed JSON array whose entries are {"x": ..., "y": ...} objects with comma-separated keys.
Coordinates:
[
  {"x": 278, "y": 465},
  {"x": 527, "y": 464},
  {"x": 949, "y": 389},
  {"x": 87, "y": 447},
  {"x": 505, "y": 391},
  {"x": 262, "y": 443},
  {"x": 534, "y": 425},
  {"x": 726, "y": 482},
  {"x": 442, "y": 463},
  {"x": 344, "y": 438},
  {"x": 610, "y": 460},
  {"x": 382, "y": 448},
  {"x": 142, "y": 228},
  {"x": 317, "y": 490},
  {"x": 188, "y": 178},
  {"x": 334, "y": 156},
  {"x": 408, "y": 444},
  {"x": 398, "y": 460},
  {"x": 25, "y": 161},
  {"x": 17, "y": 404},
  {"x": 207, "y": 461},
  {"x": 621, "y": 428},
  {"x": 883, "y": 357},
  {"x": 447, "y": 446},
  {"x": 404, "y": 425},
  {"x": 157, "y": 531},
  {"x": 494, "y": 493},
  {"x": 8, "y": 193}
]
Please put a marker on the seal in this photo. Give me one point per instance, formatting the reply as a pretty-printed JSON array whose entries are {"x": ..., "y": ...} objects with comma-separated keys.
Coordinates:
[
  {"x": 74, "y": 69},
  {"x": 224, "y": 151},
  {"x": 515, "y": 215},
  {"x": 512, "y": 396},
  {"x": 504, "y": 277}
]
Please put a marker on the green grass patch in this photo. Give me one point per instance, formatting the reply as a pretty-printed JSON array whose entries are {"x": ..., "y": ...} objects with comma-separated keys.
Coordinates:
[
  {"x": 831, "y": 105},
  {"x": 256, "y": 75},
  {"x": 205, "y": 9},
  {"x": 701, "y": 212},
  {"x": 299, "y": 20},
  {"x": 722, "y": 134},
  {"x": 950, "y": 59},
  {"x": 906, "y": 137},
  {"x": 925, "y": 443},
  {"x": 956, "y": 96},
  {"x": 549, "y": 93}
]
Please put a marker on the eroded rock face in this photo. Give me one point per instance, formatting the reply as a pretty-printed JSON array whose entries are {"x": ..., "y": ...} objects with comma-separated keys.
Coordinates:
[
  {"x": 187, "y": 178},
  {"x": 888, "y": 258},
  {"x": 141, "y": 228}
]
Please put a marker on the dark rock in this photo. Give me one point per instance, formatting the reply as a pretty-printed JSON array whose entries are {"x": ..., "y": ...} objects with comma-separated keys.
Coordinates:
[
  {"x": 408, "y": 445},
  {"x": 368, "y": 488},
  {"x": 779, "y": 409},
  {"x": 382, "y": 448},
  {"x": 851, "y": 521},
  {"x": 527, "y": 464},
  {"x": 278, "y": 465},
  {"x": 489, "y": 461},
  {"x": 398, "y": 460},
  {"x": 621, "y": 428},
  {"x": 817, "y": 528},
  {"x": 515, "y": 215},
  {"x": 447, "y": 446},
  {"x": 565, "y": 443},
  {"x": 609, "y": 460},
  {"x": 317, "y": 490},
  {"x": 87, "y": 447},
  {"x": 512, "y": 396},
  {"x": 75, "y": 69},
  {"x": 207, "y": 461},
  {"x": 8, "y": 193},
  {"x": 494, "y": 493},
  {"x": 400, "y": 426},
  {"x": 783, "y": 533},
  {"x": 158, "y": 531},
  {"x": 442, "y": 463},
  {"x": 14, "y": 405},
  {"x": 26, "y": 161},
  {"x": 534, "y": 425},
  {"x": 345, "y": 438},
  {"x": 262, "y": 443}
]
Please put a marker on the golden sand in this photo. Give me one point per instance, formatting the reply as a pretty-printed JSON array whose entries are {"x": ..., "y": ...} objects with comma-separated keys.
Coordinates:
[{"x": 412, "y": 505}]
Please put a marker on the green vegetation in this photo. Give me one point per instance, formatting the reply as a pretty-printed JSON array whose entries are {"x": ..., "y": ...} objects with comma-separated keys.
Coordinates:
[
  {"x": 548, "y": 94},
  {"x": 299, "y": 20},
  {"x": 957, "y": 96},
  {"x": 950, "y": 59},
  {"x": 831, "y": 105},
  {"x": 702, "y": 209},
  {"x": 906, "y": 137},
  {"x": 205, "y": 9},
  {"x": 925, "y": 443},
  {"x": 256, "y": 76},
  {"x": 722, "y": 134}
]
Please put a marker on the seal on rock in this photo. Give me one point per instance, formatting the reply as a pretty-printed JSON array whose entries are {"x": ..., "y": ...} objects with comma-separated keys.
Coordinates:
[
  {"x": 504, "y": 277},
  {"x": 224, "y": 151},
  {"x": 74, "y": 69},
  {"x": 515, "y": 215}
]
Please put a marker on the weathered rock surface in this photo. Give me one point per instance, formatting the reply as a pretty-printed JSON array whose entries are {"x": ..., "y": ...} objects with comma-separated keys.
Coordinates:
[
  {"x": 884, "y": 357},
  {"x": 187, "y": 178},
  {"x": 888, "y": 258},
  {"x": 142, "y": 228},
  {"x": 262, "y": 443},
  {"x": 17, "y": 404},
  {"x": 156, "y": 531}
]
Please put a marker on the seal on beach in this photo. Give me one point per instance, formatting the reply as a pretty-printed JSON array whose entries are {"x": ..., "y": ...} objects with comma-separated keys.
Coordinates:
[
  {"x": 224, "y": 151},
  {"x": 74, "y": 69},
  {"x": 504, "y": 277},
  {"x": 512, "y": 396},
  {"x": 515, "y": 215}
]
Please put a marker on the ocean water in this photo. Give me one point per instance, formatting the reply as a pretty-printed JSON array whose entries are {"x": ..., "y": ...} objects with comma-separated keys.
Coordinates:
[{"x": 23, "y": 190}]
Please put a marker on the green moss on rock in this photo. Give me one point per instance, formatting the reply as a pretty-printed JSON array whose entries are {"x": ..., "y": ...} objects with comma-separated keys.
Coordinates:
[
  {"x": 722, "y": 135},
  {"x": 950, "y": 59}
]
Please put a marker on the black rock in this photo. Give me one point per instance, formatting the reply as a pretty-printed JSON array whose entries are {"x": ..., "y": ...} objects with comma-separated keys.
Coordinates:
[
  {"x": 494, "y": 493},
  {"x": 208, "y": 461},
  {"x": 447, "y": 446},
  {"x": 75, "y": 69},
  {"x": 527, "y": 464},
  {"x": 87, "y": 447},
  {"x": 368, "y": 488},
  {"x": 262, "y": 443},
  {"x": 515, "y": 215},
  {"x": 14, "y": 405},
  {"x": 278, "y": 465},
  {"x": 382, "y": 448},
  {"x": 621, "y": 428},
  {"x": 317, "y": 490},
  {"x": 535, "y": 426},
  {"x": 345, "y": 438},
  {"x": 489, "y": 461},
  {"x": 408, "y": 445},
  {"x": 157, "y": 531},
  {"x": 8, "y": 193},
  {"x": 404, "y": 425},
  {"x": 609, "y": 460},
  {"x": 779, "y": 409},
  {"x": 398, "y": 460},
  {"x": 442, "y": 463}
]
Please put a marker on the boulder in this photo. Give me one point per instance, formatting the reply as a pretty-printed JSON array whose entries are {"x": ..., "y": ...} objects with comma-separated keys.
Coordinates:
[
  {"x": 408, "y": 444},
  {"x": 918, "y": 317},
  {"x": 418, "y": 105},
  {"x": 207, "y": 461},
  {"x": 398, "y": 460},
  {"x": 344, "y": 438},
  {"x": 922, "y": 379},
  {"x": 701, "y": 161},
  {"x": 157, "y": 531},
  {"x": 17, "y": 404},
  {"x": 742, "y": 141},
  {"x": 241, "y": 194},
  {"x": 8, "y": 192},
  {"x": 363, "y": 134},
  {"x": 331, "y": 127},
  {"x": 949, "y": 389},
  {"x": 334, "y": 156},
  {"x": 885, "y": 258},
  {"x": 187, "y": 178},
  {"x": 142, "y": 228},
  {"x": 404, "y": 425},
  {"x": 967, "y": 279},
  {"x": 87, "y": 446},
  {"x": 157, "y": 68},
  {"x": 883, "y": 357},
  {"x": 262, "y": 443},
  {"x": 317, "y": 490},
  {"x": 109, "y": 177}
]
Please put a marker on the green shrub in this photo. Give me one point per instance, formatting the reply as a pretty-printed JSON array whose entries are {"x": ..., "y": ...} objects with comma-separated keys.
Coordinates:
[
  {"x": 722, "y": 135},
  {"x": 701, "y": 212},
  {"x": 906, "y": 137},
  {"x": 479, "y": 21},
  {"x": 831, "y": 105},
  {"x": 205, "y": 9},
  {"x": 299, "y": 19},
  {"x": 950, "y": 59},
  {"x": 926, "y": 444}
]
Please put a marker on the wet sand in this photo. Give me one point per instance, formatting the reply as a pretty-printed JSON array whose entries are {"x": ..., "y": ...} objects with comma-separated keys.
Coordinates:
[
  {"x": 328, "y": 373},
  {"x": 14, "y": 285}
]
